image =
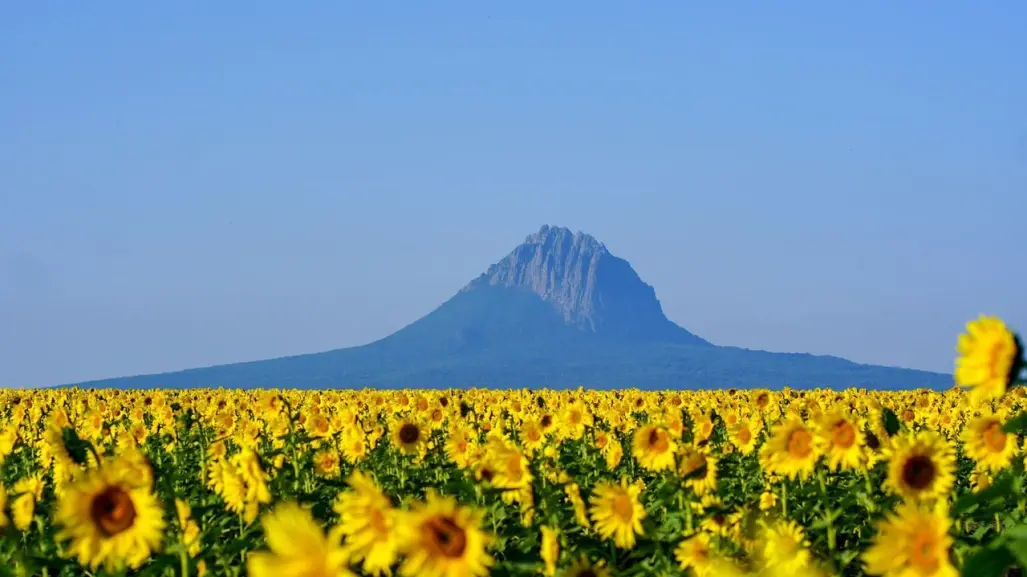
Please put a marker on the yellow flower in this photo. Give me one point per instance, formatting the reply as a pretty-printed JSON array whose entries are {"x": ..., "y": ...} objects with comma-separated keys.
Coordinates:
[
  {"x": 573, "y": 492},
  {"x": 990, "y": 358},
  {"x": 792, "y": 450},
  {"x": 408, "y": 436},
  {"x": 367, "y": 520},
  {"x": 694, "y": 553},
  {"x": 326, "y": 463},
  {"x": 921, "y": 466},
  {"x": 439, "y": 537},
  {"x": 654, "y": 448},
  {"x": 298, "y": 547},
  {"x": 582, "y": 567},
  {"x": 3, "y": 506},
  {"x": 550, "y": 552},
  {"x": 190, "y": 529},
  {"x": 785, "y": 549},
  {"x": 913, "y": 541},
  {"x": 617, "y": 512},
  {"x": 701, "y": 469},
  {"x": 743, "y": 437},
  {"x": 984, "y": 441},
  {"x": 844, "y": 440},
  {"x": 29, "y": 491},
  {"x": 110, "y": 518}
]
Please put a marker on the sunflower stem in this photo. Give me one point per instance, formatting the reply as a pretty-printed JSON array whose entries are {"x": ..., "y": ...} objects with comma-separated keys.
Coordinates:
[
  {"x": 829, "y": 515},
  {"x": 183, "y": 561},
  {"x": 784, "y": 499}
]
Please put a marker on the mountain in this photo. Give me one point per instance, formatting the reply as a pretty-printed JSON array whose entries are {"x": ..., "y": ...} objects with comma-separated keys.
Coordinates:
[{"x": 559, "y": 311}]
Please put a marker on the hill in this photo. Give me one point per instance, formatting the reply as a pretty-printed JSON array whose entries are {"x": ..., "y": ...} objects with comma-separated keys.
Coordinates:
[{"x": 559, "y": 311}]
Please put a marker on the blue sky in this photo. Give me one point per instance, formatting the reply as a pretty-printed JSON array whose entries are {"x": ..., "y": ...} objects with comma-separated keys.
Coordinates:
[{"x": 190, "y": 183}]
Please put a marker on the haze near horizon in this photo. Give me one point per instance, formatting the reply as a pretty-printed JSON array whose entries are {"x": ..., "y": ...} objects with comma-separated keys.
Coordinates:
[{"x": 192, "y": 185}]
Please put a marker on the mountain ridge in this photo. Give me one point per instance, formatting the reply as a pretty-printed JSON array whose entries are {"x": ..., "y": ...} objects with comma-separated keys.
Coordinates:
[{"x": 559, "y": 310}]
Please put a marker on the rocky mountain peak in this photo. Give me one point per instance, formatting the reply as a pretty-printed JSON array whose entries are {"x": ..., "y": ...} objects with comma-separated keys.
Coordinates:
[{"x": 586, "y": 284}]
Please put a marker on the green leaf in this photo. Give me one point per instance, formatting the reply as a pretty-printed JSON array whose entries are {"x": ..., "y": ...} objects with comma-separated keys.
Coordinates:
[
  {"x": 1016, "y": 424},
  {"x": 1016, "y": 532},
  {"x": 988, "y": 562},
  {"x": 1018, "y": 549},
  {"x": 891, "y": 422},
  {"x": 77, "y": 449},
  {"x": 1002, "y": 486}
]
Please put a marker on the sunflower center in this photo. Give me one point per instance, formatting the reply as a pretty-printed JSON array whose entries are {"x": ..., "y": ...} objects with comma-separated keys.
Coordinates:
[
  {"x": 409, "y": 433},
  {"x": 448, "y": 538},
  {"x": 575, "y": 417},
  {"x": 547, "y": 420},
  {"x": 744, "y": 435},
  {"x": 487, "y": 474},
  {"x": 873, "y": 442},
  {"x": 513, "y": 468},
  {"x": 658, "y": 441},
  {"x": 995, "y": 437},
  {"x": 112, "y": 511},
  {"x": 378, "y": 522},
  {"x": 623, "y": 507},
  {"x": 923, "y": 552},
  {"x": 799, "y": 444},
  {"x": 842, "y": 435},
  {"x": 587, "y": 573},
  {"x": 918, "y": 472}
]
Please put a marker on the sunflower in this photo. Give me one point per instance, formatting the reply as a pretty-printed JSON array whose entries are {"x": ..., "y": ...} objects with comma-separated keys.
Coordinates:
[
  {"x": 550, "y": 550},
  {"x": 694, "y": 553},
  {"x": 532, "y": 437},
  {"x": 617, "y": 512},
  {"x": 110, "y": 518},
  {"x": 3, "y": 506},
  {"x": 582, "y": 567},
  {"x": 912, "y": 541},
  {"x": 29, "y": 491},
  {"x": 367, "y": 520},
  {"x": 988, "y": 444},
  {"x": 990, "y": 358},
  {"x": 654, "y": 448},
  {"x": 298, "y": 547},
  {"x": 920, "y": 466},
  {"x": 573, "y": 492},
  {"x": 408, "y": 436},
  {"x": 844, "y": 440},
  {"x": 785, "y": 549},
  {"x": 440, "y": 537},
  {"x": 326, "y": 463},
  {"x": 792, "y": 450},
  {"x": 700, "y": 468},
  {"x": 743, "y": 436}
]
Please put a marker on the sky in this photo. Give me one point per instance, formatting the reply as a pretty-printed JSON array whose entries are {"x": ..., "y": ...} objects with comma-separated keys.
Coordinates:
[{"x": 191, "y": 183}]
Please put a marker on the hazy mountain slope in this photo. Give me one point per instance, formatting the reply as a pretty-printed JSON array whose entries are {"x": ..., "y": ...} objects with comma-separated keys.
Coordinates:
[{"x": 559, "y": 310}]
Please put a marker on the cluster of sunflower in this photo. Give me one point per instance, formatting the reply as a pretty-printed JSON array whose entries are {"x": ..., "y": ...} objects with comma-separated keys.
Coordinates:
[{"x": 579, "y": 483}]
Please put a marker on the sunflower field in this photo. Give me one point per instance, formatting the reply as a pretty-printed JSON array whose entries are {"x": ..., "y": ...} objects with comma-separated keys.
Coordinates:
[{"x": 279, "y": 483}]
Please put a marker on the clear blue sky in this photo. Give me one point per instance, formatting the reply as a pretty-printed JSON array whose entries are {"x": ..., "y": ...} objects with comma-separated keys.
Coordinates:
[{"x": 192, "y": 183}]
